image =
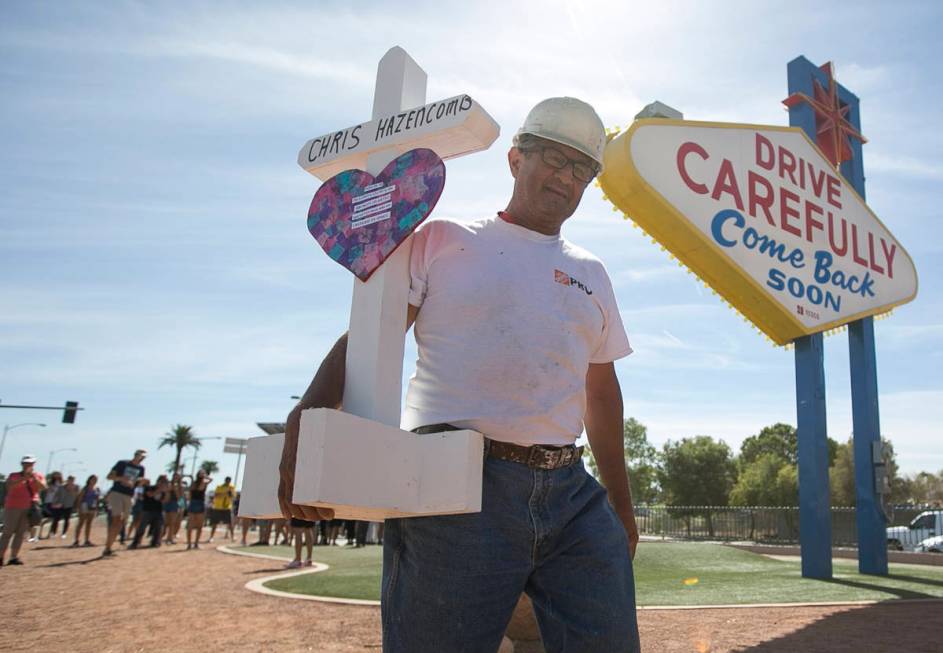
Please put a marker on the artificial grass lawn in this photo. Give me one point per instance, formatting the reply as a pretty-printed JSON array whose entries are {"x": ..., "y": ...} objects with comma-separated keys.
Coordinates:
[
  {"x": 353, "y": 574},
  {"x": 712, "y": 574},
  {"x": 665, "y": 574}
]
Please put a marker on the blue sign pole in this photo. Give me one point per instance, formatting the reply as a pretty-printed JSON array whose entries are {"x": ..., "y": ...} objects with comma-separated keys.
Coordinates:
[
  {"x": 815, "y": 514},
  {"x": 843, "y": 108},
  {"x": 869, "y": 513},
  {"x": 815, "y": 519}
]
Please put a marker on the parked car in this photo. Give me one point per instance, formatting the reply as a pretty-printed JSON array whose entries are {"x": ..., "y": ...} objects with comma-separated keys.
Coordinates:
[
  {"x": 931, "y": 545},
  {"x": 926, "y": 525}
]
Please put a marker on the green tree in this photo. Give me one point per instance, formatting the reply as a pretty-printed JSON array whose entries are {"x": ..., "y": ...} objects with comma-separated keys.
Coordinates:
[
  {"x": 641, "y": 461},
  {"x": 180, "y": 437},
  {"x": 766, "y": 481},
  {"x": 895, "y": 494},
  {"x": 920, "y": 489},
  {"x": 697, "y": 471},
  {"x": 841, "y": 477},
  {"x": 779, "y": 439},
  {"x": 210, "y": 467}
]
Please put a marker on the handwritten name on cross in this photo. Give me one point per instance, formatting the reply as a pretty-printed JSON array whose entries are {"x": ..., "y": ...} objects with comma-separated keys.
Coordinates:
[{"x": 401, "y": 121}]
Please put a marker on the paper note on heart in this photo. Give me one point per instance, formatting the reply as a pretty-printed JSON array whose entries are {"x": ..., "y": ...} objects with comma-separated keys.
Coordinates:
[{"x": 359, "y": 219}]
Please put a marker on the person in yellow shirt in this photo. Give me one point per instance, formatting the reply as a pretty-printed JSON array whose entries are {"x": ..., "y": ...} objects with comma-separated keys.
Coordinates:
[{"x": 221, "y": 511}]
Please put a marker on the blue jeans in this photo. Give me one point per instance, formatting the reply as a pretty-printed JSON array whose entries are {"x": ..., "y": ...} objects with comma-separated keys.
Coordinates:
[
  {"x": 154, "y": 519},
  {"x": 451, "y": 582}
]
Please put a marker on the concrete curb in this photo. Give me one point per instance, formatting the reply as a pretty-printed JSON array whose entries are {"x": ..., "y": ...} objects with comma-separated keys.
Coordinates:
[
  {"x": 899, "y": 557},
  {"x": 258, "y": 584}
]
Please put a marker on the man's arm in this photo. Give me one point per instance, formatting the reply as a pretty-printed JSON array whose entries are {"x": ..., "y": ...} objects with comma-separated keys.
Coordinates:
[
  {"x": 39, "y": 481},
  {"x": 604, "y": 429},
  {"x": 326, "y": 390}
]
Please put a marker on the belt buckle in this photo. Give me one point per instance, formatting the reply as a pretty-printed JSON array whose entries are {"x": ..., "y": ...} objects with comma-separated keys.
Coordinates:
[
  {"x": 552, "y": 458},
  {"x": 560, "y": 458}
]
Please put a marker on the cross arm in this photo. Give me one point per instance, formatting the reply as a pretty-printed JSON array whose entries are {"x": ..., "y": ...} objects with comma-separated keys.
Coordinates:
[{"x": 451, "y": 127}]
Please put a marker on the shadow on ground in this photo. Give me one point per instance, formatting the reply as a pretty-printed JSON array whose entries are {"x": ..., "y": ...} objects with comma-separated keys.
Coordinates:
[
  {"x": 912, "y": 626},
  {"x": 269, "y": 570},
  {"x": 899, "y": 592},
  {"x": 69, "y": 563}
]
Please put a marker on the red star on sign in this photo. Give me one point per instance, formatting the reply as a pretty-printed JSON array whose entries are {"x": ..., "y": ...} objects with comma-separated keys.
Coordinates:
[{"x": 832, "y": 129}]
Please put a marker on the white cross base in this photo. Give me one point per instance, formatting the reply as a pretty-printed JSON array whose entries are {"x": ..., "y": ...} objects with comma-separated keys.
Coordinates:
[
  {"x": 366, "y": 470},
  {"x": 258, "y": 498},
  {"x": 359, "y": 462}
]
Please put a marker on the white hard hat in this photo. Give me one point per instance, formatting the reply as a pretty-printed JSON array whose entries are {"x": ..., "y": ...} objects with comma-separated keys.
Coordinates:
[{"x": 568, "y": 121}]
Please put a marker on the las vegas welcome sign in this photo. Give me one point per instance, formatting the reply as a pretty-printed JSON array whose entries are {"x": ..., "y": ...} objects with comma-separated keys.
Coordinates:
[{"x": 761, "y": 216}]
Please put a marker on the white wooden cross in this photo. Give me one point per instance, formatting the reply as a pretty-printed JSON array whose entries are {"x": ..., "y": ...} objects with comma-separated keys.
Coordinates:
[{"x": 358, "y": 461}]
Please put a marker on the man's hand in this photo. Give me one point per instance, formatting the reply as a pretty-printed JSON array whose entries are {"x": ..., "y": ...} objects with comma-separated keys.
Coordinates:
[
  {"x": 627, "y": 517},
  {"x": 286, "y": 471}
]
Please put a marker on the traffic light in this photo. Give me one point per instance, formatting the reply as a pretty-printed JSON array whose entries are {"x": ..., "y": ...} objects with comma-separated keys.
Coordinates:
[{"x": 71, "y": 408}]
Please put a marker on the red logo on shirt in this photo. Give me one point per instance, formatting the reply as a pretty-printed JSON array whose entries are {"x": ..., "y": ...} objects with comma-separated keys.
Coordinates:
[{"x": 562, "y": 277}]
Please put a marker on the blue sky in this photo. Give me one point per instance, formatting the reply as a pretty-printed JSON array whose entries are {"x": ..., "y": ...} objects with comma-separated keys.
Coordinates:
[{"x": 154, "y": 260}]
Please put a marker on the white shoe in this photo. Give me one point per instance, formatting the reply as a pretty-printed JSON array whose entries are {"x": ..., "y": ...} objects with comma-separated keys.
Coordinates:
[
  {"x": 294, "y": 564},
  {"x": 32, "y": 539}
]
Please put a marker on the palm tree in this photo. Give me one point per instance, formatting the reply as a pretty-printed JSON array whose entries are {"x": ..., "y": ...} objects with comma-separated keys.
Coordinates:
[
  {"x": 210, "y": 467},
  {"x": 180, "y": 436}
]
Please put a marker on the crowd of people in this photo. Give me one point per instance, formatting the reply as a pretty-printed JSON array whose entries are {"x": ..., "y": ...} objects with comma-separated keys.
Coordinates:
[{"x": 37, "y": 507}]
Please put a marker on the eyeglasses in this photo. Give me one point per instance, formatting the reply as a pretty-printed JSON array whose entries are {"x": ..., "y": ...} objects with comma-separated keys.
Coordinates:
[{"x": 557, "y": 160}]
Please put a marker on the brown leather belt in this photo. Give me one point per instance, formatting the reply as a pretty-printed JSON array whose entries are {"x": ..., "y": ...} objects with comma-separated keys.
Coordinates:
[{"x": 537, "y": 456}]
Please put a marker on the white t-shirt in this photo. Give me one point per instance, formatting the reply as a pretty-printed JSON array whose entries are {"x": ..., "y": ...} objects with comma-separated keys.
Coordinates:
[{"x": 510, "y": 321}]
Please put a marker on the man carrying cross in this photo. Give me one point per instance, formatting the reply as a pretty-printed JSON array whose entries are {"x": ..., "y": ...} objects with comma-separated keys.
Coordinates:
[{"x": 517, "y": 331}]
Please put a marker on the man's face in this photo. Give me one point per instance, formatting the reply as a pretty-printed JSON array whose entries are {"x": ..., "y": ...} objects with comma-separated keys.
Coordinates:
[
  {"x": 551, "y": 193},
  {"x": 27, "y": 468}
]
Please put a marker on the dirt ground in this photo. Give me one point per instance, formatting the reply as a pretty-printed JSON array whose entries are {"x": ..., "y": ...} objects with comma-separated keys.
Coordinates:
[{"x": 170, "y": 599}]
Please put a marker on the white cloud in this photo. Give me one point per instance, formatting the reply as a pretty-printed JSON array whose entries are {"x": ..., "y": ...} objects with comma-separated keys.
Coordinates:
[{"x": 904, "y": 166}]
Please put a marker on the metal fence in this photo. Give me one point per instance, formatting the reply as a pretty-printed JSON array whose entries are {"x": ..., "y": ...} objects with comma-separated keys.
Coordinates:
[{"x": 774, "y": 525}]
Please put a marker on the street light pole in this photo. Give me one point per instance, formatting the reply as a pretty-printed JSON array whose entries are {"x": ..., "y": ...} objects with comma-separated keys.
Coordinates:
[
  {"x": 54, "y": 452},
  {"x": 7, "y": 428}
]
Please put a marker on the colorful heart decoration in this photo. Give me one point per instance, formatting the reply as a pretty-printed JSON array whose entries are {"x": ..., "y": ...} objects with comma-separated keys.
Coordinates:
[{"x": 359, "y": 219}]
